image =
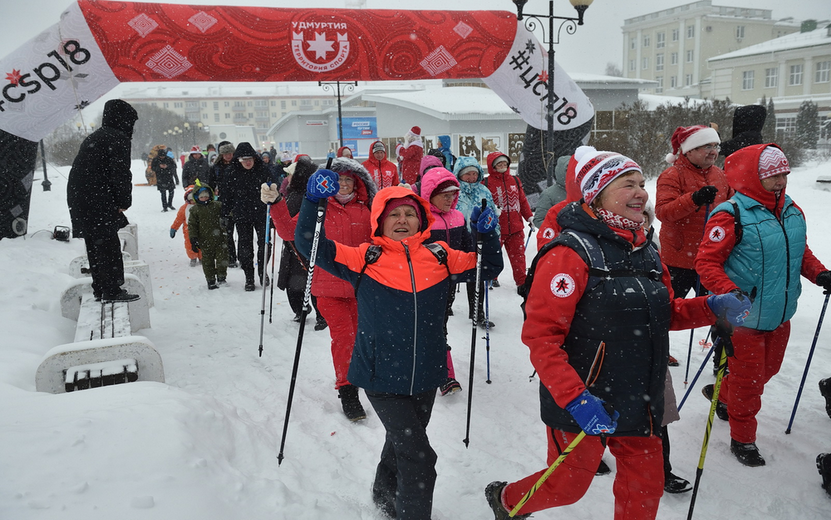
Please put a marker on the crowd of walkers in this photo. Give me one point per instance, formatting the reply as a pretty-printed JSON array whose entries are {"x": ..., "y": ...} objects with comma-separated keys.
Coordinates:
[{"x": 599, "y": 299}]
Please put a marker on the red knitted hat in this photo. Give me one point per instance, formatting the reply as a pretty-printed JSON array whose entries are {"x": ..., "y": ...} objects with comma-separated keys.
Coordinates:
[
  {"x": 772, "y": 162},
  {"x": 394, "y": 203}
]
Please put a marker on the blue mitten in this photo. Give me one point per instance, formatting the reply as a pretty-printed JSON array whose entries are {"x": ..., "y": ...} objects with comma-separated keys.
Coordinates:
[
  {"x": 485, "y": 221},
  {"x": 172, "y": 232},
  {"x": 733, "y": 306},
  {"x": 322, "y": 184},
  {"x": 591, "y": 415}
]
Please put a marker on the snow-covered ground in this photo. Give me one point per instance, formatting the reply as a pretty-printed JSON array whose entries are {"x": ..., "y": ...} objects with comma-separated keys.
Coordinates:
[{"x": 204, "y": 445}]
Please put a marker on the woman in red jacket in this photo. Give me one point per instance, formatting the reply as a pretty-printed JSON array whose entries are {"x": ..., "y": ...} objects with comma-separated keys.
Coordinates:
[
  {"x": 348, "y": 222},
  {"x": 514, "y": 211},
  {"x": 600, "y": 344}
]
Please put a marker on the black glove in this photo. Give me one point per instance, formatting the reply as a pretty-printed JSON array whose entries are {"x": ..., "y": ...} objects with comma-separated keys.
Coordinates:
[
  {"x": 706, "y": 195},
  {"x": 824, "y": 281},
  {"x": 194, "y": 245}
]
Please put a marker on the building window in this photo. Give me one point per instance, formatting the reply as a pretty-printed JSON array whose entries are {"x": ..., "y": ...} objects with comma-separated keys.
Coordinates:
[
  {"x": 227, "y": 115},
  {"x": 659, "y": 62},
  {"x": 633, "y": 42},
  {"x": 739, "y": 32},
  {"x": 632, "y": 65},
  {"x": 305, "y": 102},
  {"x": 675, "y": 35},
  {"x": 673, "y": 58},
  {"x": 645, "y": 63},
  {"x": 660, "y": 40},
  {"x": 274, "y": 115},
  {"x": 283, "y": 105},
  {"x": 294, "y": 102},
  {"x": 673, "y": 82},
  {"x": 646, "y": 41},
  {"x": 166, "y": 105},
  {"x": 785, "y": 125},
  {"x": 239, "y": 103},
  {"x": 660, "y": 80},
  {"x": 690, "y": 55},
  {"x": 273, "y": 103},
  {"x": 204, "y": 104},
  {"x": 227, "y": 104},
  {"x": 249, "y": 103},
  {"x": 772, "y": 77},
  {"x": 216, "y": 105},
  {"x": 216, "y": 118},
  {"x": 688, "y": 80},
  {"x": 796, "y": 75},
  {"x": 823, "y": 72},
  {"x": 691, "y": 31},
  {"x": 177, "y": 104},
  {"x": 747, "y": 79},
  {"x": 250, "y": 114}
]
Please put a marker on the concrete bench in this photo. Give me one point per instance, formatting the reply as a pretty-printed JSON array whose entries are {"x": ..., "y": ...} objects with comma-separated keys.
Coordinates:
[
  {"x": 79, "y": 267},
  {"x": 138, "y": 312},
  {"x": 129, "y": 240},
  {"x": 100, "y": 362}
]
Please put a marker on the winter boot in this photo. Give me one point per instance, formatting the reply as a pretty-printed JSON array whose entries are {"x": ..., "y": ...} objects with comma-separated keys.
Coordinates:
[
  {"x": 320, "y": 323},
  {"x": 221, "y": 281},
  {"x": 747, "y": 453},
  {"x": 249, "y": 281},
  {"x": 450, "y": 386},
  {"x": 825, "y": 390},
  {"x": 721, "y": 408},
  {"x": 384, "y": 503},
  {"x": 483, "y": 323},
  {"x": 675, "y": 484},
  {"x": 495, "y": 283},
  {"x": 603, "y": 468},
  {"x": 493, "y": 493},
  {"x": 348, "y": 395},
  {"x": 212, "y": 285},
  {"x": 824, "y": 467},
  {"x": 672, "y": 362},
  {"x": 121, "y": 296},
  {"x": 193, "y": 262}
]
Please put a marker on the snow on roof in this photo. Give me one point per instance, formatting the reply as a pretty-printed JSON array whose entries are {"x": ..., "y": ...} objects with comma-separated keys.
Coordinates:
[
  {"x": 653, "y": 101},
  {"x": 813, "y": 38},
  {"x": 588, "y": 80},
  {"x": 451, "y": 101}
]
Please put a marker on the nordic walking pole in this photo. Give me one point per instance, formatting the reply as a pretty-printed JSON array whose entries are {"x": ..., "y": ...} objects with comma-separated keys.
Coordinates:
[
  {"x": 488, "y": 334},
  {"x": 267, "y": 255},
  {"x": 716, "y": 388},
  {"x": 808, "y": 363},
  {"x": 307, "y": 296},
  {"x": 273, "y": 257},
  {"x": 476, "y": 296},
  {"x": 697, "y": 289},
  {"x": 530, "y": 232},
  {"x": 700, "y": 369},
  {"x": 547, "y": 473}
]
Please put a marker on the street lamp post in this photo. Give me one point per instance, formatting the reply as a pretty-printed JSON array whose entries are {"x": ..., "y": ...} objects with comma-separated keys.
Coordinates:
[
  {"x": 531, "y": 21},
  {"x": 348, "y": 86}
]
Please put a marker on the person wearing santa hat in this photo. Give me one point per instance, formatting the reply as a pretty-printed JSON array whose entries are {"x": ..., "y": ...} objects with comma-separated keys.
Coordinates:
[
  {"x": 757, "y": 240},
  {"x": 410, "y": 155},
  {"x": 691, "y": 186},
  {"x": 400, "y": 355},
  {"x": 575, "y": 315}
]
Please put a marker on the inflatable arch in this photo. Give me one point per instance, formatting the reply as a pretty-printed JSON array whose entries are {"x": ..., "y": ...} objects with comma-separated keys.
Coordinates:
[{"x": 98, "y": 44}]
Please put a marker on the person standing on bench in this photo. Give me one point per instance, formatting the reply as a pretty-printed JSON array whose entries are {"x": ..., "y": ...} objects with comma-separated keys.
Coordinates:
[{"x": 98, "y": 192}]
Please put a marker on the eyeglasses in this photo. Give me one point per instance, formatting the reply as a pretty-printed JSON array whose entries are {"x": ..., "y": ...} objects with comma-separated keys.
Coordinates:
[{"x": 710, "y": 147}]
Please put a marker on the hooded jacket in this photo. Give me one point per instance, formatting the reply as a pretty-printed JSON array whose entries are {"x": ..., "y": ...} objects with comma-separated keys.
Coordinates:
[
  {"x": 348, "y": 224},
  {"x": 400, "y": 346},
  {"x": 241, "y": 190},
  {"x": 448, "y": 226},
  {"x": 773, "y": 250},
  {"x": 509, "y": 197},
  {"x": 472, "y": 193},
  {"x": 682, "y": 221},
  {"x": 166, "y": 178},
  {"x": 449, "y": 158},
  {"x": 748, "y": 122},
  {"x": 550, "y": 228},
  {"x": 195, "y": 169},
  {"x": 100, "y": 182},
  {"x": 553, "y": 194},
  {"x": 410, "y": 156},
  {"x": 384, "y": 172},
  {"x": 205, "y": 222}
]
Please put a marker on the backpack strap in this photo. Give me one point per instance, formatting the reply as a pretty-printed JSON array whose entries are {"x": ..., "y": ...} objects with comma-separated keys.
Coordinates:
[
  {"x": 737, "y": 221},
  {"x": 373, "y": 253}
]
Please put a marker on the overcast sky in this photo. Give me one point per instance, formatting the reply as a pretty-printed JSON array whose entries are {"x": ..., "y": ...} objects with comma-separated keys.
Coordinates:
[{"x": 595, "y": 44}]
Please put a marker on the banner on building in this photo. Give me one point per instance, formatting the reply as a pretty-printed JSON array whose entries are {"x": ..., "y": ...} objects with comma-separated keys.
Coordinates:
[{"x": 98, "y": 44}]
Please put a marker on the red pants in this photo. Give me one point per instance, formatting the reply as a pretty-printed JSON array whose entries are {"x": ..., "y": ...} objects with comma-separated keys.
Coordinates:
[
  {"x": 639, "y": 481},
  {"x": 514, "y": 244},
  {"x": 342, "y": 316},
  {"x": 757, "y": 358}
]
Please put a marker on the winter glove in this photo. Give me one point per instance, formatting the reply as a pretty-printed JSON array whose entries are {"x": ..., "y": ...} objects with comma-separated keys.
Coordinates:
[
  {"x": 194, "y": 245},
  {"x": 269, "y": 193},
  {"x": 484, "y": 221},
  {"x": 706, "y": 195},
  {"x": 322, "y": 184},
  {"x": 531, "y": 226},
  {"x": 824, "y": 281},
  {"x": 591, "y": 414},
  {"x": 733, "y": 306},
  {"x": 172, "y": 232}
]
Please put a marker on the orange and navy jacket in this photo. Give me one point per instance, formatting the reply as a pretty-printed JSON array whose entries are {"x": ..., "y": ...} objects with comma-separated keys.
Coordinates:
[{"x": 400, "y": 346}]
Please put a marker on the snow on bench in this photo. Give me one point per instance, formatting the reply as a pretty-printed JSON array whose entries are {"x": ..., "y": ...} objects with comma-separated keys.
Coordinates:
[
  {"x": 129, "y": 240},
  {"x": 138, "y": 311},
  {"x": 79, "y": 268}
]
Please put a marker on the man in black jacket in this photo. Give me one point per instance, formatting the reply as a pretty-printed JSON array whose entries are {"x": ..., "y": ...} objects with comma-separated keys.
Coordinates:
[
  {"x": 98, "y": 192},
  {"x": 241, "y": 195}
]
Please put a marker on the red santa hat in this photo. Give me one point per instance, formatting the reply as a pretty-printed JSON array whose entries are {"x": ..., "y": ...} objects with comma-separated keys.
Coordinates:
[
  {"x": 196, "y": 149},
  {"x": 686, "y": 138},
  {"x": 416, "y": 131},
  {"x": 596, "y": 170}
]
